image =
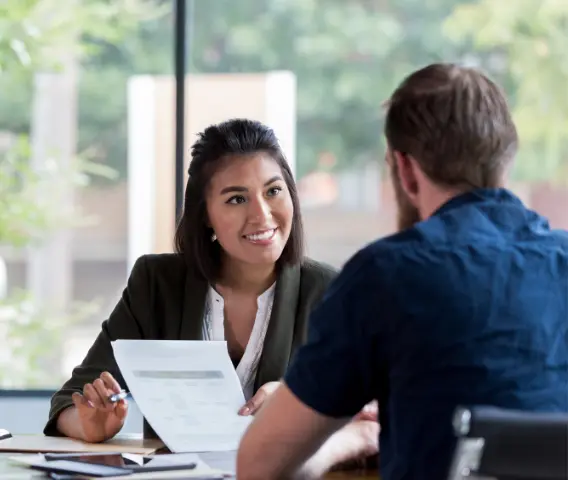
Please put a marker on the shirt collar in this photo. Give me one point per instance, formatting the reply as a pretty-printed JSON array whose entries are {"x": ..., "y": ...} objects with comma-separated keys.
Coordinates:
[
  {"x": 498, "y": 195},
  {"x": 263, "y": 299}
]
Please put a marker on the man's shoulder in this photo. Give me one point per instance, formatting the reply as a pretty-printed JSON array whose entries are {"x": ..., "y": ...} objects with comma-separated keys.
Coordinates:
[
  {"x": 364, "y": 268},
  {"x": 381, "y": 260},
  {"x": 385, "y": 250},
  {"x": 560, "y": 236}
]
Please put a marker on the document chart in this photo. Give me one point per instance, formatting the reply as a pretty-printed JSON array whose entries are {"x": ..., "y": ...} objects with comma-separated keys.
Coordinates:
[{"x": 188, "y": 391}]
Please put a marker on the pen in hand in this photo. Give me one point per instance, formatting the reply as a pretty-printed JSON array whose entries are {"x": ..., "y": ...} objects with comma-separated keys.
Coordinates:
[{"x": 117, "y": 397}]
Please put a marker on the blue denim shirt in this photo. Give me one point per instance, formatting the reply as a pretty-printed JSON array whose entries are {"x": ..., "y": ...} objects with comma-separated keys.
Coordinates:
[{"x": 469, "y": 307}]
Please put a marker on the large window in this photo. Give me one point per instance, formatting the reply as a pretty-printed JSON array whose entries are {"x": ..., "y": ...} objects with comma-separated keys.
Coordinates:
[
  {"x": 64, "y": 175},
  {"x": 86, "y": 92}
]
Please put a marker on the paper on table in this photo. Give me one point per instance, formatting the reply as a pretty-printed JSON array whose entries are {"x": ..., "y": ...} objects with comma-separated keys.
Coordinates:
[
  {"x": 224, "y": 461},
  {"x": 173, "y": 474},
  {"x": 201, "y": 467},
  {"x": 195, "y": 474},
  {"x": 188, "y": 391}
]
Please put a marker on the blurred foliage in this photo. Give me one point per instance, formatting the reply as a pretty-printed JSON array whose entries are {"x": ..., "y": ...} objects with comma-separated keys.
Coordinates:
[
  {"x": 34, "y": 32},
  {"x": 29, "y": 206},
  {"x": 29, "y": 211},
  {"x": 348, "y": 55},
  {"x": 528, "y": 40},
  {"x": 22, "y": 216},
  {"x": 28, "y": 356},
  {"x": 34, "y": 36}
]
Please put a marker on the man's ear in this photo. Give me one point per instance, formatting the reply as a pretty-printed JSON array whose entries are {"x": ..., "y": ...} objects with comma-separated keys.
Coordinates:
[{"x": 406, "y": 171}]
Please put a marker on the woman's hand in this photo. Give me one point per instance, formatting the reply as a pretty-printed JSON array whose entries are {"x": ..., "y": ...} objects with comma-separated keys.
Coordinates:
[
  {"x": 252, "y": 406},
  {"x": 97, "y": 418}
]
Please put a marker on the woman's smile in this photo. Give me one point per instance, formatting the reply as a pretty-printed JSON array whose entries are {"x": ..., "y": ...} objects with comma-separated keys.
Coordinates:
[{"x": 261, "y": 237}]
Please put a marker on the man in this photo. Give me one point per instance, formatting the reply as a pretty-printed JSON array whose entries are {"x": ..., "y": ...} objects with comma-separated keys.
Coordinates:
[{"x": 466, "y": 305}]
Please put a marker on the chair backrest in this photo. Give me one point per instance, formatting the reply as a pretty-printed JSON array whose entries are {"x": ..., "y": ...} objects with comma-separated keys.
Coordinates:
[{"x": 511, "y": 445}]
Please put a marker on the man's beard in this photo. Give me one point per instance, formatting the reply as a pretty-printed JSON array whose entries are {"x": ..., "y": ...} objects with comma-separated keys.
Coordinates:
[{"x": 407, "y": 214}]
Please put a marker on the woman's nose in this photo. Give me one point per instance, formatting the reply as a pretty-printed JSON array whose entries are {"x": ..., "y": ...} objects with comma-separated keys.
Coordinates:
[{"x": 259, "y": 210}]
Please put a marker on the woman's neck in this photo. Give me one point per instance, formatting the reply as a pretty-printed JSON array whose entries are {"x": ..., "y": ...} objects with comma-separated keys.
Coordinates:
[{"x": 247, "y": 278}]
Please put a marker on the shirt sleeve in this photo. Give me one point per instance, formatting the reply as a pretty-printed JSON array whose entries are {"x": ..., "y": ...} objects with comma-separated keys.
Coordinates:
[{"x": 333, "y": 372}]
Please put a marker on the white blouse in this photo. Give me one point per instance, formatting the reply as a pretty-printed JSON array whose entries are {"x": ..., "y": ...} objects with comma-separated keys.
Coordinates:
[{"x": 214, "y": 329}]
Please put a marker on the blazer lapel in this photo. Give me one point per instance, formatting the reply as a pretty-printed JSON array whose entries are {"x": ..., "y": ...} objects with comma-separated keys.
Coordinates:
[
  {"x": 193, "y": 308},
  {"x": 278, "y": 341}
]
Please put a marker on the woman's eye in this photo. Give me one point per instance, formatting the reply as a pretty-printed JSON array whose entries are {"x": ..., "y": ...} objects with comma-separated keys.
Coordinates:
[
  {"x": 274, "y": 191},
  {"x": 236, "y": 200}
]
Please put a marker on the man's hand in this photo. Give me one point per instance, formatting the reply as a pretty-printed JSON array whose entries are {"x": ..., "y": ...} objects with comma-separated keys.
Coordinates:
[
  {"x": 252, "y": 406},
  {"x": 286, "y": 433},
  {"x": 357, "y": 440},
  {"x": 369, "y": 412}
]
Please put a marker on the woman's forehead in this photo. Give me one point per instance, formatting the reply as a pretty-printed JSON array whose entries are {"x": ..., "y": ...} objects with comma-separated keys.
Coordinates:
[{"x": 246, "y": 170}]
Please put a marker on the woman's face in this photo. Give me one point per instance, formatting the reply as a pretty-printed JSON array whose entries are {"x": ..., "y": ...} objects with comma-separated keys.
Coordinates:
[{"x": 250, "y": 209}]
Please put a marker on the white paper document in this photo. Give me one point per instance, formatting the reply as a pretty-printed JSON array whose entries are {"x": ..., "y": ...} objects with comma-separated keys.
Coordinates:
[{"x": 188, "y": 391}]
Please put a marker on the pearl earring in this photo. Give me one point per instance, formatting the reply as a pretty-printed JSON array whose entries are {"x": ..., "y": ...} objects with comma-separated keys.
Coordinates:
[{"x": 213, "y": 237}]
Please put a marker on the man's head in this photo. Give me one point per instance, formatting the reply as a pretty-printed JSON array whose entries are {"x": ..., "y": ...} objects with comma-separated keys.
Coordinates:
[{"x": 448, "y": 130}]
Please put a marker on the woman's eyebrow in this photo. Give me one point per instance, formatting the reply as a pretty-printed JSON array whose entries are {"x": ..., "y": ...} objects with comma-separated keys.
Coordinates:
[
  {"x": 237, "y": 188},
  {"x": 234, "y": 188},
  {"x": 272, "y": 180}
]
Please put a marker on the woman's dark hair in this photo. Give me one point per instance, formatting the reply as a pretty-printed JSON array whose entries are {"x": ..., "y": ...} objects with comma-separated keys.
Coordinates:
[{"x": 214, "y": 146}]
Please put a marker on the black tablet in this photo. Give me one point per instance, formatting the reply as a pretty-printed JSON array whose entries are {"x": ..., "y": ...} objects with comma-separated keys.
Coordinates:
[
  {"x": 80, "y": 468},
  {"x": 117, "y": 461},
  {"x": 110, "y": 459}
]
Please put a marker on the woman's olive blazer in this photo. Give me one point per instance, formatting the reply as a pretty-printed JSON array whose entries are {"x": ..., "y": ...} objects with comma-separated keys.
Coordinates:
[{"x": 164, "y": 300}]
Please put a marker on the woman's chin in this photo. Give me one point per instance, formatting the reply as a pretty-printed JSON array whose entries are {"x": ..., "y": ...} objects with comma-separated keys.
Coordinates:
[{"x": 266, "y": 257}]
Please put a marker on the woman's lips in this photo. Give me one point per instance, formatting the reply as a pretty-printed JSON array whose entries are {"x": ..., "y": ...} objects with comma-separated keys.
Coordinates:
[{"x": 261, "y": 237}]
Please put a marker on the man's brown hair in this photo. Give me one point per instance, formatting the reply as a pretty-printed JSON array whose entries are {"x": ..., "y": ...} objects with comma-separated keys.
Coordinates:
[{"x": 455, "y": 122}]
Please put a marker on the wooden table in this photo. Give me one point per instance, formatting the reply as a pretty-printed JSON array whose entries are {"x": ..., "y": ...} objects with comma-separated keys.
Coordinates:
[
  {"x": 12, "y": 472},
  {"x": 366, "y": 469},
  {"x": 358, "y": 475}
]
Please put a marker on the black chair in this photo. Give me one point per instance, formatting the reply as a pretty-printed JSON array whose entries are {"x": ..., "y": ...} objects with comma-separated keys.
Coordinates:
[{"x": 510, "y": 445}]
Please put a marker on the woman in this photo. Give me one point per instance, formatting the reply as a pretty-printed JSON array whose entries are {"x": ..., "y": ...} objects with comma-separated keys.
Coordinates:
[{"x": 238, "y": 275}]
